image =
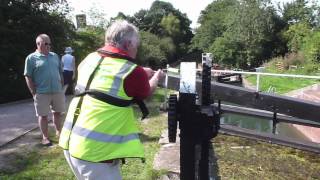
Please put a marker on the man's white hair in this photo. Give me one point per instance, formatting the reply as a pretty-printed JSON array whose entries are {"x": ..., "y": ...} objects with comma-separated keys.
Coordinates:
[{"x": 121, "y": 32}]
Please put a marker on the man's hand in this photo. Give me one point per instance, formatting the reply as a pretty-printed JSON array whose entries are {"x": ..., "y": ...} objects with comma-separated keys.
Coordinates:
[
  {"x": 33, "y": 93},
  {"x": 155, "y": 79},
  {"x": 159, "y": 74},
  {"x": 31, "y": 85},
  {"x": 149, "y": 72}
]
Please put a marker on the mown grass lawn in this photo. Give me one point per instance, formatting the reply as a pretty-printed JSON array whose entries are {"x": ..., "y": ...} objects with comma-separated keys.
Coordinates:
[{"x": 282, "y": 85}]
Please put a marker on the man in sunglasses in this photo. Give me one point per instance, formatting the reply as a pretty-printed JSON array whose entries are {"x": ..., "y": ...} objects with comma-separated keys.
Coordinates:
[{"x": 43, "y": 74}]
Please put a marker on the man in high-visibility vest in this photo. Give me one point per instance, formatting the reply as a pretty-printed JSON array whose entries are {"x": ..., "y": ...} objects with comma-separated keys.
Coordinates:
[{"x": 100, "y": 127}]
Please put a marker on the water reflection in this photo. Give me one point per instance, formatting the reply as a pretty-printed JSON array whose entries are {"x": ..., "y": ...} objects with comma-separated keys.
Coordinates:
[{"x": 262, "y": 125}]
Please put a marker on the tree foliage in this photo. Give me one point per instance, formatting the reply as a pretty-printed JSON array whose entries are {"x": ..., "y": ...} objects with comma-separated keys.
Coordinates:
[
  {"x": 299, "y": 11},
  {"x": 302, "y": 31},
  {"x": 154, "y": 51},
  {"x": 238, "y": 33},
  {"x": 228, "y": 51},
  {"x": 166, "y": 24},
  {"x": 311, "y": 47},
  {"x": 213, "y": 23},
  {"x": 97, "y": 18},
  {"x": 86, "y": 41},
  {"x": 171, "y": 26},
  {"x": 163, "y": 20},
  {"x": 296, "y": 35},
  {"x": 252, "y": 25}
]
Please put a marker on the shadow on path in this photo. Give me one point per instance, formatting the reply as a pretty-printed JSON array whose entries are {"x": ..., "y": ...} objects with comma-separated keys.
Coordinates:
[{"x": 18, "y": 118}]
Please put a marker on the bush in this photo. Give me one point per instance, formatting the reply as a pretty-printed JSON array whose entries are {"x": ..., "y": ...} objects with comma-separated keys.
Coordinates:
[
  {"x": 283, "y": 63},
  {"x": 296, "y": 34},
  {"x": 87, "y": 40},
  {"x": 154, "y": 51},
  {"x": 311, "y": 68},
  {"x": 304, "y": 66},
  {"x": 295, "y": 59}
]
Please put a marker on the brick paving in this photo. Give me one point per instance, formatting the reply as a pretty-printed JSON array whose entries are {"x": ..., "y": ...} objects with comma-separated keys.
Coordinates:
[{"x": 311, "y": 93}]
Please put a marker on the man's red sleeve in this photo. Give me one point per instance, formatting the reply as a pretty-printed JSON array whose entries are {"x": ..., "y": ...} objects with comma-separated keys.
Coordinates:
[{"x": 137, "y": 84}]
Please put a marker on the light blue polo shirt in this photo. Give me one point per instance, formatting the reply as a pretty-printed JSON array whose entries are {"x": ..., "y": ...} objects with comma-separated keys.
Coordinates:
[{"x": 45, "y": 71}]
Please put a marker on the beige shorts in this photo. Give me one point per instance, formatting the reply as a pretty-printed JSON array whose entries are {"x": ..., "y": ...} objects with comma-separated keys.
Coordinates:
[{"x": 44, "y": 102}]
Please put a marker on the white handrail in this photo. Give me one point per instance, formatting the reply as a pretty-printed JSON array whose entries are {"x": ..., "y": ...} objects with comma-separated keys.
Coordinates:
[
  {"x": 253, "y": 73},
  {"x": 266, "y": 74}
]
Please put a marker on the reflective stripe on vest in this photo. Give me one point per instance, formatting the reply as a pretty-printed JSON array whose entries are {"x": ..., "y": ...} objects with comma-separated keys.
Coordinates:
[
  {"x": 116, "y": 83},
  {"x": 87, "y": 133},
  {"x": 66, "y": 129}
]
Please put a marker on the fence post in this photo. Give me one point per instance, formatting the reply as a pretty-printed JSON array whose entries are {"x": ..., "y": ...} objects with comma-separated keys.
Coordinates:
[
  {"x": 274, "y": 123},
  {"x": 258, "y": 83}
]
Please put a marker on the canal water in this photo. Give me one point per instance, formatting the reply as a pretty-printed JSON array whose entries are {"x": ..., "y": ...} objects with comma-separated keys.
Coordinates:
[{"x": 262, "y": 125}]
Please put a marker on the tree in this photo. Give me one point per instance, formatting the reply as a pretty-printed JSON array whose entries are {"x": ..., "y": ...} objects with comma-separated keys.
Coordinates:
[
  {"x": 97, "y": 17},
  {"x": 228, "y": 52},
  {"x": 245, "y": 30},
  {"x": 296, "y": 35},
  {"x": 153, "y": 51},
  {"x": 140, "y": 19},
  {"x": 253, "y": 26},
  {"x": 171, "y": 26},
  {"x": 157, "y": 21},
  {"x": 298, "y": 11},
  {"x": 311, "y": 47},
  {"x": 87, "y": 40},
  {"x": 213, "y": 23}
]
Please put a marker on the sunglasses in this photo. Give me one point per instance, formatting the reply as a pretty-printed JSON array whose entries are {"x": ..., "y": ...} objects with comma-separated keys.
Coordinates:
[{"x": 46, "y": 44}]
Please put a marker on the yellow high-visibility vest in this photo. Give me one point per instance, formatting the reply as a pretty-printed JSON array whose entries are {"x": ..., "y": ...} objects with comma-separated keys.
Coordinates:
[{"x": 102, "y": 131}]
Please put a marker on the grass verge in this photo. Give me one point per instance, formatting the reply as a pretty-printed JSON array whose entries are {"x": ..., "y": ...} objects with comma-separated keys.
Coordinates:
[
  {"x": 282, "y": 84},
  {"x": 240, "y": 158}
]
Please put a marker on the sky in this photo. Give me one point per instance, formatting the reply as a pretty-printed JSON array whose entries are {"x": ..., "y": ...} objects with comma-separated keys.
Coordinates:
[{"x": 129, "y": 7}]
